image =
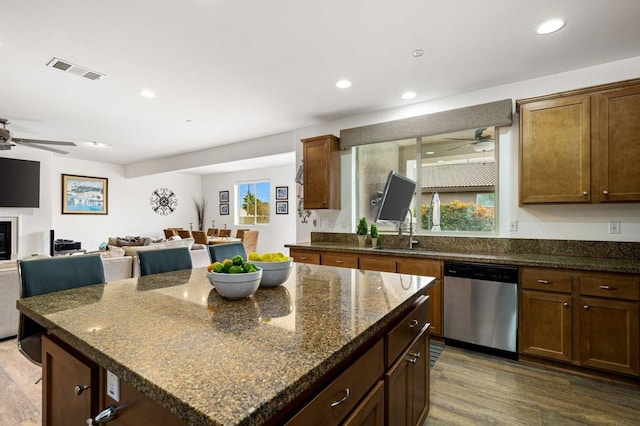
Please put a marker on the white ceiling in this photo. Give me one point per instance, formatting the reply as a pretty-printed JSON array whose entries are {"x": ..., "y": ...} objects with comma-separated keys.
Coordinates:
[{"x": 245, "y": 69}]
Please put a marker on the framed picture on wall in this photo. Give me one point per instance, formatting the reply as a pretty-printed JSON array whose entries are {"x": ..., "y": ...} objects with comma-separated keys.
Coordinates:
[
  {"x": 85, "y": 195},
  {"x": 282, "y": 207},
  {"x": 282, "y": 192},
  {"x": 224, "y": 209},
  {"x": 224, "y": 196}
]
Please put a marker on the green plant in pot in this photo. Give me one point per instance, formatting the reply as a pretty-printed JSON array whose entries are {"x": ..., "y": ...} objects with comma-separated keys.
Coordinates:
[
  {"x": 374, "y": 235},
  {"x": 362, "y": 231}
]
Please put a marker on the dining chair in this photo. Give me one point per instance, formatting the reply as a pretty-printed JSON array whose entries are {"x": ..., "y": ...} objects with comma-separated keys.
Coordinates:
[
  {"x": 240, "y": 233},
  {"x": 250, "y": 240},
  {"x": 224, "y": 232},
  {"x": 164, "y": 260},
  {"x": 184, "y": 233},
  {"x": 212, "y": 232},
  {"x": 219, "y": 252},
  {"x": 49, "y": 275},
  {"x": 200, "y": 237}
]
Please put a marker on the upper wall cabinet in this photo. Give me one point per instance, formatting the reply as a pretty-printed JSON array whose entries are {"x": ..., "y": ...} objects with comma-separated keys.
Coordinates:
[
  {"x": 321, "y": 160},
  {"x": 581, "y": 146}
]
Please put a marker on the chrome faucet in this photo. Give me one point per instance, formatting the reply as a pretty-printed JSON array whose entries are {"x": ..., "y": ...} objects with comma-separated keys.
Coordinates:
[{"x": 412, "y": 241}]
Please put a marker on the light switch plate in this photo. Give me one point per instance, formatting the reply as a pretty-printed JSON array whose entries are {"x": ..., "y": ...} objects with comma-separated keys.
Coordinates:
[
  {"x": 513, "y": 225},
  {"x": 113, "y": 386}
]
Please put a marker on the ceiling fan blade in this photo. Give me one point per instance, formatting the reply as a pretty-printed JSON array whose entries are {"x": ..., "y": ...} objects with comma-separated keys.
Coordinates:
[
  {"x": 46, "y": 148},
  {"x": 461, "y": 146},
  {"x": 29, "y": 141}
]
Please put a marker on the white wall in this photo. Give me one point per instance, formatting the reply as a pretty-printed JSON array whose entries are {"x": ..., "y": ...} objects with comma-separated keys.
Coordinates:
[
  {"x": 280, "y": 230},
  {"x": 130, "y": 210},
  {"x": 573, "y": 222}
]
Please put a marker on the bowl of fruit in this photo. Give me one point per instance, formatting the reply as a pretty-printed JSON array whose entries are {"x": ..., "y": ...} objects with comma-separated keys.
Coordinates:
[
  {"x": 234, "y": 278},
  {"x": 276, "y": 268}
]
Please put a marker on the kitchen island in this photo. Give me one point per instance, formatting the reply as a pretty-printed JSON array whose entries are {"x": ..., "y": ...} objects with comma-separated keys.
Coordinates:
[{"x": 207, "y": 360}]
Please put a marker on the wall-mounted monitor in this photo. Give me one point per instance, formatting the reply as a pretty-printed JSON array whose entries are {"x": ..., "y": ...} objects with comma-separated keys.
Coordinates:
[
  {"x": 19, "y": 183},
  {"x": 396, "y": 198}
]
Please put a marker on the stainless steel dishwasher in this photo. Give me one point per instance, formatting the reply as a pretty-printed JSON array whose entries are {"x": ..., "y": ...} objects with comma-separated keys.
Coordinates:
[{"x": 481, "y": 307}]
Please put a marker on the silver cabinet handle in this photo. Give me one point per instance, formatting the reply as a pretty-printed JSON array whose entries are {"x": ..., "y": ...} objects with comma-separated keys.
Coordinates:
[
  {"x": 608, "y": 287},
  {"x": 411, "y": 360},
  {"x": 347, "y": 392},
  {"x": 303, "y": 257},
  {"x": 585, "y": 193},
  {"x": 585, "y": 307},
  {"x": 80, "y": 388},
  {"x": 605, "y": 192},
  {"x": 104, "y": 416},
  {"x": 339, "y": 261},
  {"x": 413, "y": 323},
  {"x": 416, "y": 355},
  {"x": 565, "y": 304},
  {"x": 544, "y": 282}
]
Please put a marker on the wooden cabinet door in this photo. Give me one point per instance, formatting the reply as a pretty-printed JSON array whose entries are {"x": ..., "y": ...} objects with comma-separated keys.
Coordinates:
[
  {"x": 64, "y": 375},
  {"x": 321, "y": 168},
  {"x": 619, "y": 144},
  {"x": 609, "y": 335},
  {"x": 370, "y": 412},
  {"x": 555, "y": 150},
  {"x": 430, "y": 268},
  {"x": 408, "y": 386},
  {"x": 545, "y": 325}
]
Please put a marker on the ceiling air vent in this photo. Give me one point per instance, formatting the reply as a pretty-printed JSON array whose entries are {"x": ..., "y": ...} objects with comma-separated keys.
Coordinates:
[{"x": 67, "y": 66}]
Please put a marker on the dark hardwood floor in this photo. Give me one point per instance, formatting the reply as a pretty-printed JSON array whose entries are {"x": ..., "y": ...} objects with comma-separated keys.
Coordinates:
[{"x": 467, "y": 388}]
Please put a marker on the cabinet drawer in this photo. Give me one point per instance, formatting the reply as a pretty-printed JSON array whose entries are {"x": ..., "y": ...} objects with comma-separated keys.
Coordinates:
[
  {"x": 546, "y": 279},
  {"x": 409, "y": 327},
  {"x": 339, "y": 259},
  {"x": 377, "y": 263},
  {"x": 333, "y": 403},
  {"x": 429, "y": 268},
  {"x": 610, "y": 286},
  {"x": 303, "y": 256}
]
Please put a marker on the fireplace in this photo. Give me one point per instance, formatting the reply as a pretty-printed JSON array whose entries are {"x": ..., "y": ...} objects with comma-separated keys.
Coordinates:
[{"x": 5, "y": 240}]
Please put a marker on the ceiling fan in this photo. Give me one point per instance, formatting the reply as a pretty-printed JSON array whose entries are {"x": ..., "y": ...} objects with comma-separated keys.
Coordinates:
[
  {"x": 7, "y": 141},
  {"x": 482, "y": 142}
]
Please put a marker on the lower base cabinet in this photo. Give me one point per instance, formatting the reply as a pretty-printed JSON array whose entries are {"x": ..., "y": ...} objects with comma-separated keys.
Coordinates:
[
  {"x": 408, "y": 385},
  {"x": 587, "y": 319},
  {"x": 70, "y": 386},
  {"x": 370, "y": 412}
]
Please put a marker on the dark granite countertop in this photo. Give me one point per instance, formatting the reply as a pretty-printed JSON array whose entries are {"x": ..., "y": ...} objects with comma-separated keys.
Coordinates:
[
  {"x": 214, "y": 361},
  {"x": 602, "y": 264}
]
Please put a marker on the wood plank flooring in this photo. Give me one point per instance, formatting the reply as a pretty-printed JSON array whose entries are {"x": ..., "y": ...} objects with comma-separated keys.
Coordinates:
[
  {"x": 467, "y": 388},
  {"x": 20, "y": 397}
]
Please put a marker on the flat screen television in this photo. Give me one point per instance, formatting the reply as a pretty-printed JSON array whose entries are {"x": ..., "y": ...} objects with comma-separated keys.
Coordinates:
[
  {"x": 19, "y": 183},
  {"x": 396, "y": 198}
]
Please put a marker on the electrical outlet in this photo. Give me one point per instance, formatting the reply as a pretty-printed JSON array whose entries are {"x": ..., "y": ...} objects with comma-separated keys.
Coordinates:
[
  {"x": 614, "y": 227},
  {"x": 113, "y": 386},
  {"x": 513, "y": 225}
]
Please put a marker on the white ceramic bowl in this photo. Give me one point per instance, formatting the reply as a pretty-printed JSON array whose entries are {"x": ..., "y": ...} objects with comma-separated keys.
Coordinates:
[
  {"x": 235, "y": 286},
  {"x": 274, "y": 273}
]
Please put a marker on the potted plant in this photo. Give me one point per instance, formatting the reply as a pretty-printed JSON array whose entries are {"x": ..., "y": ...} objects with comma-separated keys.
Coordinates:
[
  {"x": 362, "y": 231},
  {"x": 374, "y": 235}
]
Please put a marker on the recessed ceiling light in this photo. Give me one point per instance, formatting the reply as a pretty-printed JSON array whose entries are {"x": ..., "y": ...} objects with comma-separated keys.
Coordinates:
[
  {"x": 551, "y": 26},
  {"x": 430, "y": 152},
  {"x": 408, "y": 95},
  {"x": 147, "y": 94},
  {"x": 343, "y": 84},
  {"x": 417, "y": 53},
  {"x": 188, "y": 121}
]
